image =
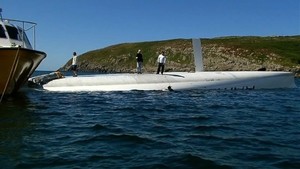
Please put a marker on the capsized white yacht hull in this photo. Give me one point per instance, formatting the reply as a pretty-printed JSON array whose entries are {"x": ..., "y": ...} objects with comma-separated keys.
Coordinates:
[{"x": 174, "y": 81}]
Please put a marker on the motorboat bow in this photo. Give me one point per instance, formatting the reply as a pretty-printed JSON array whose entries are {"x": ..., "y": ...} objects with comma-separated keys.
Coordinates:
[{"x": 18, "y": 57}]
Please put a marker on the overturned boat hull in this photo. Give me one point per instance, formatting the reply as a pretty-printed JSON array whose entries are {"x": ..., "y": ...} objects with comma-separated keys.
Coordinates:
[
  {"x": 171, "y": 80},
  {"x": 174, "y": 81}
]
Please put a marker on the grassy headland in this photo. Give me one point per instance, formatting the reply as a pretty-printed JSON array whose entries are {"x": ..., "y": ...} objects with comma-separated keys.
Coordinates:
[{"x": 219, "y": 54}]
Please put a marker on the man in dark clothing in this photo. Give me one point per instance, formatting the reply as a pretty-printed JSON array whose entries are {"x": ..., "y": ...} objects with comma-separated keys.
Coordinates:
[{"x": 139, "y": 62}]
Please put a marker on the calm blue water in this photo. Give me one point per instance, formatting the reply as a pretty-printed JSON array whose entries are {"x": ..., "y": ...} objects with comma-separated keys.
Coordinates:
[{"x": 153, "y": 129}]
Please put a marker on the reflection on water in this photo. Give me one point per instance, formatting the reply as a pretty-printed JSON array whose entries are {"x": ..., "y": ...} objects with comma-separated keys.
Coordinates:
[{"x": 15, "y": 120}]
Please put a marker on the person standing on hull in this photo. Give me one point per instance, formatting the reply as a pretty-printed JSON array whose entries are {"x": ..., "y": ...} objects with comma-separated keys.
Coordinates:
[
  {"x": 74, "y": 64},
  {"x": 139, "y": 62},
  {"x": 161, "y": 62}
]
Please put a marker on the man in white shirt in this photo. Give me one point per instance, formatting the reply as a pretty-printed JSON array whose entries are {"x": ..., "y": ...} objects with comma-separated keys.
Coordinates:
[
  {"x": 161, "y": 62},
  {"x": 74, "y": 64}
]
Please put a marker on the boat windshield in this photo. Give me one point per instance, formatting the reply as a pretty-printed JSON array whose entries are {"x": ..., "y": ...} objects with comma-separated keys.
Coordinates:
[
  {"x": 12, "y": 32},
  {"x": 2, "y": 32}
]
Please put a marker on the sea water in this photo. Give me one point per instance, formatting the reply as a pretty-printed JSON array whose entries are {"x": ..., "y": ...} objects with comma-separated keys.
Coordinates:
[{"x": 151, "y": 129}]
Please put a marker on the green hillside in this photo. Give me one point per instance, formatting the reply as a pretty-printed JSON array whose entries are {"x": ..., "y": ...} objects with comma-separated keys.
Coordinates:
[
  {"x": 226, "y": 53},
  {"x": 287, "y": 47}
]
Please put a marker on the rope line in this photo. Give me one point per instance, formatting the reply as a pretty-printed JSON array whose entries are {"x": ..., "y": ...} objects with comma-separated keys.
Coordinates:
[{"x": 12, "y": 71}]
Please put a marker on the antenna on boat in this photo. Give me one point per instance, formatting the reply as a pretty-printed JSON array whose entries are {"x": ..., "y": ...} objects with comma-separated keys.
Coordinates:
[{"x": 1, "y": 13}]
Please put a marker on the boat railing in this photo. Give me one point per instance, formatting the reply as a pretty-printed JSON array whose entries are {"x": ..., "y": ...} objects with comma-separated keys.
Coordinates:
[{"x": 26, "y": 27}]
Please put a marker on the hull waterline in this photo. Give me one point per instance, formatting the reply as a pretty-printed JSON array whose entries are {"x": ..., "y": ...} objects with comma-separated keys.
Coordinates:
[{"x": 174, "y": 81}]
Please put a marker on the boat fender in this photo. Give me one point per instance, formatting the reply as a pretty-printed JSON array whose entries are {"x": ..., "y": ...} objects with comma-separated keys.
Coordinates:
[
  {"x": 59, "y": 74},
  {"x": 43, "y": 79}
]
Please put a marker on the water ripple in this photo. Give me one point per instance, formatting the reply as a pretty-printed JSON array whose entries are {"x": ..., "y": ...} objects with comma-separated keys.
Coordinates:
[{"x": 151, "y": 129}]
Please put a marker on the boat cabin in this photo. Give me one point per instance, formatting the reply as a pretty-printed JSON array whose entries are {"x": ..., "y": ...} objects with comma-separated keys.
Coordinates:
[{"x": 13, "y": 35}]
